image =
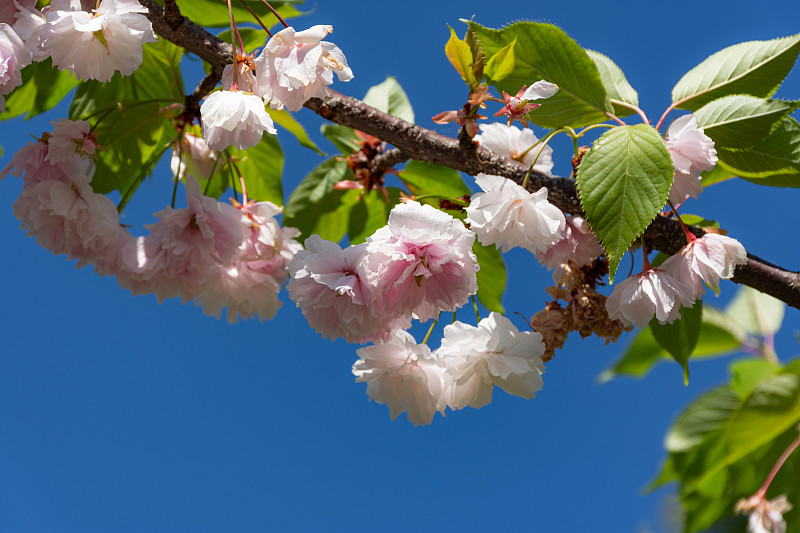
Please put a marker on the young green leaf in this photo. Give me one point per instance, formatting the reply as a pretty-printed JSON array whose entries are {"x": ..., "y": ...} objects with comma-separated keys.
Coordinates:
[
  {"x": 285, "y": 120},
  {"x": 778, "y": 154},
  {"x": 623, "y": 182},
  {"x": 370, "y": 212},
  {"x": 389, "y": 97},
  {"x": 740, "y": 120},
  {"x": 716, "y": 175},
  {"x": 680, "y": 337},
  {"x": 706, "y": 415},
  {"x": 423, "y": 178},
  {"x": 747, "y": 374},
  {"x": 491, "y": 276},
  {"x": 755, "y": 67},
  {"x": 459, "y": 54},
  {"x": 501, "y": 64},
  {"x": 544, "y": 51},
  {"x": 214, "y": 14},
  {"x": 261, "y": 166},
  {"x": 342, "y": 137},
  {"x": 616, "y": 84},
  {"x": 756, "y": 312}
]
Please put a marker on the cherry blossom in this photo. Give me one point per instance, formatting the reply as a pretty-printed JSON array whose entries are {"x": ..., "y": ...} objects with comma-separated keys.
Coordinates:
[
  {"x": 28, "y": 24},
  {"x": 405, "y": 376},
  {"x": 764, "y": 516},
  {"x": 519, "y": 145},
  {"x": 507, "y": 215},
  {"x": 68, "y": 217},
  {"x": 330, "y": 286},
  {"x": 654, "y": 292},
  {"x": 517, "y": 106},
  {"x": 245, "y": 76},
  {"x": 184, "y": 244},
  {"x": 493, "y": 353},
  {"x": 193, "y": 157},
  {"x": 13, "y": 56},
  {"x": 295, "y": 66},
  {"x": 578, "y": 244},
  {"x": 234, "y": 118},
  {"x": 421, "y": 262},
  {"x": 705, "y": 261},
  {"x": 94, "y": 45},
  {"x": 692, "y": 151},
  {"x": 249, "y": 285}
]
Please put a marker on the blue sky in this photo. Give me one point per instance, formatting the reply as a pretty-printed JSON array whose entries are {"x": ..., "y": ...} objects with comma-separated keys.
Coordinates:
[{"x": 119, "y": 414}]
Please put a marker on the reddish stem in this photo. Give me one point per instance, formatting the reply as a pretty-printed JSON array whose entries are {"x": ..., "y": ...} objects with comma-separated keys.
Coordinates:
[
  {"x": 690, "y": 238},
  {"x": 762, "y": 492},
  {"x": 255, "y": 17},
  {"x": 275, "y": 13}
]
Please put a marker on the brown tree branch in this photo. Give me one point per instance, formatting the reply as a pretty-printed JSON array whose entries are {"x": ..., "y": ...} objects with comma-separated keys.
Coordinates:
[{"x": 416, "y": 142}]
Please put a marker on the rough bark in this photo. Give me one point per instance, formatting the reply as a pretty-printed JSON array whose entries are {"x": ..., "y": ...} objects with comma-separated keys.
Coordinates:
[{"x": 415, "y": 142}]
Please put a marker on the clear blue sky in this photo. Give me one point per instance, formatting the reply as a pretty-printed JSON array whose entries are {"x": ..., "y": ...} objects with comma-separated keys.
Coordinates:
[{"x": 119, "y": 414}]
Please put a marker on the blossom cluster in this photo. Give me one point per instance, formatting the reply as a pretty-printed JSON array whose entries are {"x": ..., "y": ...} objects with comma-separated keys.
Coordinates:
[
  {"x": 292, "y": 67},
  {"x": 90, "y": 45},
  {"x": 462, "y": 372},
  {"x": 210, "y": 252}
]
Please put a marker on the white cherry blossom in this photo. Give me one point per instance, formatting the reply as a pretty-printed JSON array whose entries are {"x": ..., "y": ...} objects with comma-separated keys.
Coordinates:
[
  {"x": 94, "y": 45},
  {"x": 295, "y": 66},
  {"x": 705, "y": 261},
  {"x": 507, "y": 215},
  {"x": 405, "y": 376},
  {"x": 512, "y": 142},
  {"x": 493, "y": 353},
  {"x": 13, "y": 56},
  {"x": 654, "y": 292},
  {"x": 578, "y": 244},
  {"x": 692, "y": 151},
  {"x": 234, "y": 118},
  {"x": 193, "y": 157}
]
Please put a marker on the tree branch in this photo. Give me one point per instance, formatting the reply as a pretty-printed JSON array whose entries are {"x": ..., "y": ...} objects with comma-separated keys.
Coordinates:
[{"x": 420, "y": 143}]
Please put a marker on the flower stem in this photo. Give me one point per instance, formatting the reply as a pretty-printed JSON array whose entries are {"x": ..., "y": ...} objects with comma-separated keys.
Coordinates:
[
  {"x": 178, "y": 174},
  {"x": 255, "y": 17},
  {"x": 234, "y": 32},
  {"x": 275, "y": 13},
  {"x": 689, "y": 235},
  {"x": 762, "y": 492},
  {"x": 645, "y": 261},
  {"x": 430, "y": 329},
  {"x": 615, "y": 118},
  {"x": 664, "y": 116},
  {"x": 475, "y": 306},
  {"x": 211, "y": 175}
]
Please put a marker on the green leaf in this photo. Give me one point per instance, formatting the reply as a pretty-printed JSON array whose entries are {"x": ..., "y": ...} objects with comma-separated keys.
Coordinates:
[
  {"x": 706, "y": 415},
  {"x": 544, "y": 51},
  {"x": 756, "y": 312},
  {"x": 747, "y": 374},
  {"x": 423, "y": 178},
  {"x": 778, "y": 154},
  {"x": 213, "y": 13},
  {"x": 755, "y": 67},
  {"x": 680, "y": 337},
  {"x": 491, "y": 276},
  {"x": 43, "y": 87},
  {"x": 285, "y": 120},
  {"x": 740, "y": 120},
  {"x": 616, "y": 83},
  {"x": 316, "y": 207},
  {"x": 261, "y": 166},
  {"x": 718, "y": 337},
  {"x": 501, "y": 64},
  {"x": 623, "y": 182},
  {"x": 772, "y": 408},
  {"x": 390, "y": 98},
  {"x": 370, "y": 212},
  {"x": 459, "y": 54},
  {"x": 717, "y": 175},
  {"x": 342, "y": 137}
]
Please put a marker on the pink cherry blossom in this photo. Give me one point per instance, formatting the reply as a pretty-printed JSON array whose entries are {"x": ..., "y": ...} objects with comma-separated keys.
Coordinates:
[
  {"x": 692, "y": 151},
  {"x": 68, "y": 217},
  {"x": 13, "y": 56},
  {"x": 193, "y": 157},
  {"x": 507, "y": 215},
  {"x": 512, "y": 142},
  {"x": 654, "y": 292},
  {"x": 405, "y": 376},
  {"x": 245, "y": 76},
  {"x": 295, "y": 66},
  {"x": 705, "y": 261},
  {"x": 94, "y": 45},
  {"x": 330, "y": 286},
  {"x": 234, "y": 118},
  {"x": 185, "y": 244},
  {"x": 28, "y": 24},
  {"x": 493, "y": 353},
  {"x": 421, "y": 262},
  {"x": 578, "y": 244},
  {"x": 248, "y": 287}
]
